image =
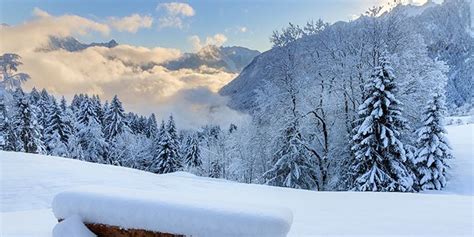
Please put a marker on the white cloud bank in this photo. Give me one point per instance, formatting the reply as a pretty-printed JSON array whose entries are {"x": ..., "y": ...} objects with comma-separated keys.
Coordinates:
[{"x": 133, "y": 73}]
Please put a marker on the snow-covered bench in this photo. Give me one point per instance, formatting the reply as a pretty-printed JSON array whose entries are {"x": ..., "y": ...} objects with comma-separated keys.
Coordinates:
[{"x": 172, "y": 212}]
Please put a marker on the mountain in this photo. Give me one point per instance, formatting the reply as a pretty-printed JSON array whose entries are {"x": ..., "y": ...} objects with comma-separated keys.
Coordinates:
[
  {"x": 231, "y": 59},
  {"x": 446, "y": 29},
  {"x": 72, "y": 45}
]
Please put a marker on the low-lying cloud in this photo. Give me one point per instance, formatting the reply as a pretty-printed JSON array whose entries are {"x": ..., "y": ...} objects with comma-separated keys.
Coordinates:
[{"x": 133, "y": 73}]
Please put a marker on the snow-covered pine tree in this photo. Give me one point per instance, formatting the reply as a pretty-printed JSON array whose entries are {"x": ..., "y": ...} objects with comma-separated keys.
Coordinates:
[
  {"x": 380, "y": 162},
  {"x": 432, "y": 147},
  {"x": 86, "y": 112},
  {"x": 215, "y": 169},
  {"x": 56, "y": 147},
  {"x": 63, "y": 104},
  {"x": 293, "y": 166},
  {"x": 26, "y": 125},
  {"x": 137, "y": 123},
  {"x": 166, "y": 157},
  {"x": 114, "y": 120},
  {"x": 97, "y": 105},
  {"x": 172, "y": 131},
  {"x": 57, "y": 131},
  {"x": 35, "y": 96},
  {"x": 106, "y": 107},
  {"x": 76, "y": 102},
  {"x": 12, "y": 142},
  {"x": 4, "y": 121},
  {"x": 90, "y": 133},
  {"x": 74, "y": 145},
  {"x": 152, "y": 126},
  {"x": 43, "y": 105},
  {"x": 92, "y": 141},
  {"x": 192, "y": 157},
  {"x": 151, "y": 164}
]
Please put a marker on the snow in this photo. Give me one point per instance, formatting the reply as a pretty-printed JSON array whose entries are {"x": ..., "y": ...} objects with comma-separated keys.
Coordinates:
[
  {"x": 30, "y": 182},
  {"x": 73, "y": 226},
  {"x": 462, "y": 174},
  {"x": 171, "y": 212}
]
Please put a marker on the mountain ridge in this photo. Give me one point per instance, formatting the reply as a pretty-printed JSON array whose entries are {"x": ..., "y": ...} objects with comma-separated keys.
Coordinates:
[
  {"x": 451, "y": 41},
  {"x": 229, "y": 58}
]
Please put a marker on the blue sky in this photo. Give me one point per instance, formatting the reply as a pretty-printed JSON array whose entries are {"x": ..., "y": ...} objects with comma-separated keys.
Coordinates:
[{"x": 243, "y": 22}]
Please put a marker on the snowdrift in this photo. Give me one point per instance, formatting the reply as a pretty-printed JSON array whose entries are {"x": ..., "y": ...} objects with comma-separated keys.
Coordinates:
[{"x": 170, "y": 212}]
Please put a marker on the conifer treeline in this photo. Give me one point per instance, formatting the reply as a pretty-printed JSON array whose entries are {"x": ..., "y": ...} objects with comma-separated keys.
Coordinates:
[{"x": 93, "y": 131}]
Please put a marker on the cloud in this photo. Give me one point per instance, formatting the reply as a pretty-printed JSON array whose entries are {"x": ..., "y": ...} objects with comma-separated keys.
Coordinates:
[
  {"x": 170, "y": 22},
  {"x": 131, "y": 23},
  {"x": 134, "y": 73},
  {"x": 33, "y": 34},
  {"x": 209, "y": 106},
  {"x": 217, "y": 40},
  {"x": 243, "y": 29},
  {"x": 174, "y": 14},
  {"x": 40, "y": 13},
  {"x": 236, "y": 30},
  {"x": 177, "y": 9}
]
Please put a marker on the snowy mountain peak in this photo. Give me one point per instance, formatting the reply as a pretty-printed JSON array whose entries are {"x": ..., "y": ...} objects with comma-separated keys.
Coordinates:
[
  {"x": 231, "y": 59},
  {"x": 413, "y": 9},
  {"x": 71, "y": 44}
]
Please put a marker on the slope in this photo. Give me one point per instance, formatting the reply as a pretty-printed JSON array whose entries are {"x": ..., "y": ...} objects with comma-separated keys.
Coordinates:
[{"x": 29, "y": 183}]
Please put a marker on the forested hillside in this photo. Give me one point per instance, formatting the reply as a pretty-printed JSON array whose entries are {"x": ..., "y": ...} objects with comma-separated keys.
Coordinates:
[{"x": 344, "y": 106}]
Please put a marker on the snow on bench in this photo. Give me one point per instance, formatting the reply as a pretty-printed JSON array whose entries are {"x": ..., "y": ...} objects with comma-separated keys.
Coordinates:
[{"x": 176, "y": 213}]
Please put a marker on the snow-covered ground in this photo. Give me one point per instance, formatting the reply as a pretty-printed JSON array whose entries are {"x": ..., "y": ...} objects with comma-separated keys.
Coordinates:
[{"x": 29, "y": 183}]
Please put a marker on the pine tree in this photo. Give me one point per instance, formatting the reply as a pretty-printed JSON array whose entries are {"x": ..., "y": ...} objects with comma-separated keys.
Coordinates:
[
  {"x": 152, "y": 126},
  {"x": 216, "y": 169},
  {"x": 90, "y": 133},
  {"x": 114, "y": 120},
  {"x": 292, "y": 166},
  {"x": 166, "y": 158},
  {"x": 86, "y": 112},
  {"x": 76, "y": 102},
  {"x": 35, "y": 96},
  {"x": 432, "y": 147},
  {"x": 4, "y": 122},
  {"x": 74, "y": 144},
  {"x": 57, "y": 131},
  {"x": 97, "y": 106},
  {"x": 192, "y": 158},
  {"x": 171, "y": 128},
  {"x": 92, "y": 141},
  {"x": 56, "y": 147},
  {"x": 43, "y": 105},
  {"x": 63, "y": 104},
  {"x": 12, "y": 142},
  {"x": 380, "y": 161},
  {"x": 26, "y": 125}
]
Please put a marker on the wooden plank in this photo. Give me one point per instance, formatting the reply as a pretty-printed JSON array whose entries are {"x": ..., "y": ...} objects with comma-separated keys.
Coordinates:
[{"x": 102, "y": 230}]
